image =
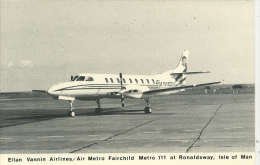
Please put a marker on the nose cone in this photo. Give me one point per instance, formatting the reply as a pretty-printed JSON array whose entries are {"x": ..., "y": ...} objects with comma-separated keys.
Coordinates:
[{"x": 54, "y": 90}]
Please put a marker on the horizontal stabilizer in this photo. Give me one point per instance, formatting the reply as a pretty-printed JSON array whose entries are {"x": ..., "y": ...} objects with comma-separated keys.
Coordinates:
[
  {"x": 188, "y": 73},
  {"x": 176, "y": 88}
]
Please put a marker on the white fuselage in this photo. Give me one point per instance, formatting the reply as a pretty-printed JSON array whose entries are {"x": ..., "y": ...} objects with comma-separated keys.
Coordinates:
[{"x": 97, "y": 86}]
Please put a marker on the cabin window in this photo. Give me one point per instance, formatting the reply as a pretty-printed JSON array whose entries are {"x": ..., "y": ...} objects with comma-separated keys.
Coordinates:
[
  {"x": 81, "y": 78},
  {"x": 124, "y": 80},
  {"x": 142, "y": 81},
  {"x": 111, "y": 80},
  {"x": 136, "y": 81},
  {"x": 147, "y": 81},
  {"x": 153, "y": 81},
  {"x": 118, "y": 80},
  {"x": 106, "y": 80},
  {"x": 130, "y": 80},
  {"x": 89, "y": 78}
]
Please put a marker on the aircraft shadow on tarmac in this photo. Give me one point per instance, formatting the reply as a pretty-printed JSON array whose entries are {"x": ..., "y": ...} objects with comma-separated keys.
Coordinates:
[
  {"x": 25, "y": 118},
  {"x": 109, "y": 111},
  {"x": 38, "y": 117},
  {"x": 81, "y": 112}
]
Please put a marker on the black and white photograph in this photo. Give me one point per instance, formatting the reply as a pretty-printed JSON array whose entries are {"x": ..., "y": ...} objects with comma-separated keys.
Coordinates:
[{"x": 128, "y": 82}]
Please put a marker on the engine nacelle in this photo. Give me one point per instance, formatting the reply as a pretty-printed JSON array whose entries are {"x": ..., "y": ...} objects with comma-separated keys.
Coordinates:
[{"x": 133, "y": 91}]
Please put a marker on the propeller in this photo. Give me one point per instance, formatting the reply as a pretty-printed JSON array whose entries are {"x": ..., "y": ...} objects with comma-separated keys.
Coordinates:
[{"x": 122, "y": 96}]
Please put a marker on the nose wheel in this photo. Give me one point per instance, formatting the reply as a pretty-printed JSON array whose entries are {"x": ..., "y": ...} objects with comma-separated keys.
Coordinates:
[
  {"x": 99, "y": 109},
  {"x": 71, "y": 113},
  {"x": 148, "y": 109}
]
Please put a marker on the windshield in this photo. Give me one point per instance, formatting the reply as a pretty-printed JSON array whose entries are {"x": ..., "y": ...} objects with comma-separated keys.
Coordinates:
[
  {"x": 82, "y": 78},
  {"x": 78, "y": 78},
  {"x": 74, "y": 78}
]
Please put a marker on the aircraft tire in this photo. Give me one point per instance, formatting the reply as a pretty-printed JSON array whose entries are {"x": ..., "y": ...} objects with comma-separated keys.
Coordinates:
[
  {"x": 71, "y": 113},
  {"x": 98, "y": 110},
  {"x": 148, "y": 110}
]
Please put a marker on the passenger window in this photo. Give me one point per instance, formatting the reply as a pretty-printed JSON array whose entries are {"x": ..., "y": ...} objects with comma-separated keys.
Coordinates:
[
  {"x": 124, "y": 80},
  {"x": 153, "y": 81},
  {"x": 117, "y": 80},
  {"x": 136, "y": 81},
  {"x": 147, "y": 81},
  {"x": 111, "y": 80},
  {"x": 130, "y": 80},
  {"x": 106, "y": 80},
  {"x": 142, "y": 81}
]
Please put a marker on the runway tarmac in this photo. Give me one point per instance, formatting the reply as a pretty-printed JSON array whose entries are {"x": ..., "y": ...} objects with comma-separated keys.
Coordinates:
[{"x": 179, "y": 123}]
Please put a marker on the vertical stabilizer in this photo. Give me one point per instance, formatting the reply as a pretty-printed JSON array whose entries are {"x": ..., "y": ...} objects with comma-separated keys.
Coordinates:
[
  {"x": 179, "y": 78},
  {"x": 183, "y": 64}
]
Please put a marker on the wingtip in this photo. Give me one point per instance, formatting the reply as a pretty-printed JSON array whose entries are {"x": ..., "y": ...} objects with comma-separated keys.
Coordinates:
[{"x": 44, "y": 91}]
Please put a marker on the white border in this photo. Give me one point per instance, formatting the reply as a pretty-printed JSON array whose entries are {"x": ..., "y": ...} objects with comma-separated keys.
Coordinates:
[{"x": 257, "y": 83}]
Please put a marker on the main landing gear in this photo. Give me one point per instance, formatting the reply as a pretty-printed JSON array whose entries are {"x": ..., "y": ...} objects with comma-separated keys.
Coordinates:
[
  {"x": 71, "y": 113},
  {"x": 148, "y": 109},
  {"x": 99, "y": 109}
]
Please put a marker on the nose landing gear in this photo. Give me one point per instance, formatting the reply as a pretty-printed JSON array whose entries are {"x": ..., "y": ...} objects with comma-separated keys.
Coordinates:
[
  {"x": 99, "y": 109},
  {"x": 71, "y": 113},
  {"x": 148, "y": 109}
]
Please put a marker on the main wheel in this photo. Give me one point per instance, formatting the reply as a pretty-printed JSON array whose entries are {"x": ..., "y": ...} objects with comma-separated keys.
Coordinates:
[
  {"x": 148, "y": 110},
  {"x": 98, "y": 110},
  {"x": 71, "y": 113}
]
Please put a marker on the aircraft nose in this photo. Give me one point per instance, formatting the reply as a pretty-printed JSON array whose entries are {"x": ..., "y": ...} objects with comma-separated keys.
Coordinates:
[{"x": 53, "y": 91}]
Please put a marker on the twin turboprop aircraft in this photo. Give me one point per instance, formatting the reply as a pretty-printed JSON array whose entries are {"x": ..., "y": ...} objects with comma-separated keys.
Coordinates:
[{"x": 87, "y": 86}]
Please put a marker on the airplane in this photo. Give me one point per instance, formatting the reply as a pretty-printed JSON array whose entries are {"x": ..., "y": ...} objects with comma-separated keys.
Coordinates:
[{"x": 90, "y": 86}]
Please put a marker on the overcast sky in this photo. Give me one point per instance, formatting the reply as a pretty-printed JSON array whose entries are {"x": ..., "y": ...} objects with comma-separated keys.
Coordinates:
[{"x": 45, "y": 42}]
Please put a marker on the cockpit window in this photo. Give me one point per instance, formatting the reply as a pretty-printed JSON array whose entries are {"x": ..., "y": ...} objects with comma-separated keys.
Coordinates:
[
  {"x": 78, "y": 78},
  {"x": 81, "y": 78},
  {"x": 75, "y": 78},
  {"x": 89, "y": 78}
]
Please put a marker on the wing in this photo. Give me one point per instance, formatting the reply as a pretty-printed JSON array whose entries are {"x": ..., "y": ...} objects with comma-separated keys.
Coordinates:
[
  {"x": 44, "y": 91},
  {"x": 189, "y": 73},
  {"x": 150, "y": 92}
]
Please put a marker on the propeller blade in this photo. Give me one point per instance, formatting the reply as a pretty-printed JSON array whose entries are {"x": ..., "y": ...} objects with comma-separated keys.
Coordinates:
[
  {"x": 123, "y": 100},
  {"x": 122, "y": 96},
  {"x": 121, "y": 80}
]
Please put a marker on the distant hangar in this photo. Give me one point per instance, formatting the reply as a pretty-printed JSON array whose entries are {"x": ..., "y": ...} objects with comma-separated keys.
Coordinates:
[{"x": 239, "y": 86}]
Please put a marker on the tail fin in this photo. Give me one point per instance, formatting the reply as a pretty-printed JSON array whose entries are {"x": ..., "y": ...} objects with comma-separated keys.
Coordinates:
[
  {"x": 177, "y": 74},
  {"x": 183, "y": 64},
  {"x": 180, "y": 79}
]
